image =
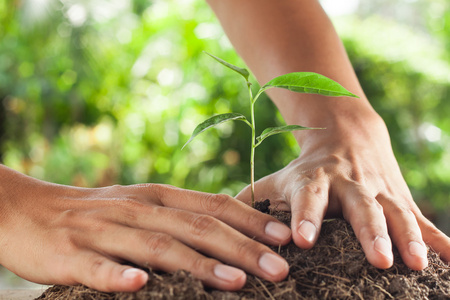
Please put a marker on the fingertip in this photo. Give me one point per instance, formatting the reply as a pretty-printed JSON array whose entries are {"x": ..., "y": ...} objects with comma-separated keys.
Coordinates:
[
  {"x": 306, "y": 234},
  {"x": 274, "y": 266},
  {"x": 416, "y": 258},
  {"x": 229, "y": 278},
  {"x": 383, "y": 257},
  {"x": 132, "y": 279},
  {"x": 435, "y": 238},
  {"x": 278, "y": 232}
]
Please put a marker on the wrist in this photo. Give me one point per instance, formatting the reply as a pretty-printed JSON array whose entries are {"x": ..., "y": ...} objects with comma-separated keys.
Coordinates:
[
  {"x": 6, "y": 184},
  {"x": 350, "y": 128},
  {"x": 339, "y": 115},
  {"x": 19, "y": 194},
  {"x": 6, "y": 206}
]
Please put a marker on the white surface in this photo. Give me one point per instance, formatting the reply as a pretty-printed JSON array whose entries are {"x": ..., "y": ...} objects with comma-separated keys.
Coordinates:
[{"x": 21, "y": 294}]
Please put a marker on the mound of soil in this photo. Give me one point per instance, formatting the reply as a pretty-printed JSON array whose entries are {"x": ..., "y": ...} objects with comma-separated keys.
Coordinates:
[{"x": 335, "y": 268}]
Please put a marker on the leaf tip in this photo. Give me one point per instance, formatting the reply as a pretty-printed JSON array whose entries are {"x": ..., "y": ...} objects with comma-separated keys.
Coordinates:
[
  {"x": 242, "y": 71},
  {"x": 184, "y": 146}
]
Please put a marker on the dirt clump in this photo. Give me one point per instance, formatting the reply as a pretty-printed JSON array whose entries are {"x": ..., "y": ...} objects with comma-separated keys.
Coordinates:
[{"x": 335, "y": 268}]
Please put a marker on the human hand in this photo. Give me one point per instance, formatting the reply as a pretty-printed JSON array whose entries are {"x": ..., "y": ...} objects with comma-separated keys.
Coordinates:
[
  {"x": 353, "y": 174},
  {"x": 54, "y": 234}
]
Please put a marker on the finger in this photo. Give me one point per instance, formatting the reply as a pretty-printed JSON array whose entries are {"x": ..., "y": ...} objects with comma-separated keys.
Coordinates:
[
  {"x": 221, "y": 241},
  {"x": 309, "y": 202},
  {"x": 435, "y": 238},
  {"x": 406, "y": 234},
  {"x": 245, "y": 195},
  {"x": 103, "y": 274},
  {"x": 162, "y": 252},
  {"x": 245, "y": 219},
  {"x": 366, "y": 216},
  {"x": 215, "y": 238},
  {"x": 265, "y": 188}
]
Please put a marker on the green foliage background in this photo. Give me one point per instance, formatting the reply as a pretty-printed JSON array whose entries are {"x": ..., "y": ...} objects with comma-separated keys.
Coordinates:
[{"x": 95, "y": 93}]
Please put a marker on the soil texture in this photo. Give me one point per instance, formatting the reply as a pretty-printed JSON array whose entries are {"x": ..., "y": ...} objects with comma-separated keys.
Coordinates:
[{"x": 335, "y": 268}]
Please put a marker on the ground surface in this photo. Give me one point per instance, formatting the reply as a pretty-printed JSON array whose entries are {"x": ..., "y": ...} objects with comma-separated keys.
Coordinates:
[{"x": 335, "y": 268}]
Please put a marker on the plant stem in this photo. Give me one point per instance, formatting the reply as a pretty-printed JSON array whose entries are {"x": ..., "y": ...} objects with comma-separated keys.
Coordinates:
[{"x": 252, "y": 153}]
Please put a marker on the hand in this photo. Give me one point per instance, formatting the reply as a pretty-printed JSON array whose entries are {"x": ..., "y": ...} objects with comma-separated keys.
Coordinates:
[
  {"x": 353, "y": 174},
  {"x": 54, "y": 234}
]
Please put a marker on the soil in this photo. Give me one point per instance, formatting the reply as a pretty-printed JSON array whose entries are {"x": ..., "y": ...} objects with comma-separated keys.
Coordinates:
[{"x": 336, "y": 268}]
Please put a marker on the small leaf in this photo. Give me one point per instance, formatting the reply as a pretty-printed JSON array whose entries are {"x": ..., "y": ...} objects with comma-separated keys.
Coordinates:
[
  {"x": 213, "y": 121},
  {"x": 309, "y": 82},
  {"x": 242, "y": 71},
  {"x": 275, "y": 130}
]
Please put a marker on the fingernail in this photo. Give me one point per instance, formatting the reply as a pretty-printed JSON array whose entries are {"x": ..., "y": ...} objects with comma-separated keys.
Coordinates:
[
  {"x": 383, "y": 246},
  {"x": 133, "y": 273},
  {"x": 307, "y": 230},
  {"x": 417, "y": 249},
  {"x": 277, "y": 231},
  {"x": 272, "y": 264},
  {"x": 228, "y": 273}
]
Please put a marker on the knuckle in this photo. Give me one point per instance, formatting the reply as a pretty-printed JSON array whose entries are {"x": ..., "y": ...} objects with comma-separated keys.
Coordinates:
[
  {"x": 433, "y": 231},
  {"x": 95, "y": 267},
  {"x": 198, "y": 265},
  {"x": 117, "y": 188},
  {"x": 215, "y": 203},
  {"x": 318, "y": 173},
  {"x": 163, "y": 192},
  {"x": 379, "y": 207},
  {"x": 310, "y": 174},
  {"x": 401, "y": 210},
  {"x": 146, "y": 186},
  {"x": 160, "y": 190},
  {"x": 313, "y": 189},
  {"x": 335, "y": 159},
  {"x": 365, "y": 205},
  {"x": 158, "y": 243},
  {"x": 253, "y": 218},
  {"x": 97, "y": 280},
  {"x": 356, "y": 177},
  {"x": 368, "y": 203},
  {"x": 129, "y": 213},
  {"x": 369, "y": 232},
  {"x": 335, "y": 162},
  {"x": 130, "y": 210},
  {"x": 97, "y": 226},
  {"x": 247, "y": 249},
  {"x": 202, "y": 225},
  {"x": 66, "y": 218}
]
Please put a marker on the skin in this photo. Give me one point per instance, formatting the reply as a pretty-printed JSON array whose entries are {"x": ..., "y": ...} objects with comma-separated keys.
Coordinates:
[
  {"x": 348, "y": 169},
  {"x": 55, "y": 234}
]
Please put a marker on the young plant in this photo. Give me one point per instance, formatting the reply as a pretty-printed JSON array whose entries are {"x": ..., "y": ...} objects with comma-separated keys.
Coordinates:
[{"x": 300, "y": 82}]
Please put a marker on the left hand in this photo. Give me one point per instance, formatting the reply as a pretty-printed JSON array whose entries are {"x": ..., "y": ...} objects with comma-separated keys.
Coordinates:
[{"x": 354, "y": 175}]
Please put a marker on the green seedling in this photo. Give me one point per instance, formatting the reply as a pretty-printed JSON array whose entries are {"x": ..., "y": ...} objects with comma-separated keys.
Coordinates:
[{"x": 300, "y": 82}]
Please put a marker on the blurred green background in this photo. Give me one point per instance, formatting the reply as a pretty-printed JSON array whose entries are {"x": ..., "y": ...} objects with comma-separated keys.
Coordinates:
[{"x": 100, "y": 92}]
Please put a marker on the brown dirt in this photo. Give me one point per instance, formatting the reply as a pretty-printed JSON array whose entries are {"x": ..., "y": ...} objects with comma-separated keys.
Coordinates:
[{"x": 335, "y": 268}]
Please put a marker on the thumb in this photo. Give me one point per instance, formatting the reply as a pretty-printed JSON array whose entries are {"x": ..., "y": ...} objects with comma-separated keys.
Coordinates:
[
  {"x": 264, "y": 189},
  {"x": 245, "y": 195}
]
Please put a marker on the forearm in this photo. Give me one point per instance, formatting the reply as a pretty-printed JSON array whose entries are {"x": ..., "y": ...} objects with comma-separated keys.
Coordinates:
[
  {"x": 277, "y": 37},
  {"x": 12, "y": 187},
  {"x": 7, "y": 182}
]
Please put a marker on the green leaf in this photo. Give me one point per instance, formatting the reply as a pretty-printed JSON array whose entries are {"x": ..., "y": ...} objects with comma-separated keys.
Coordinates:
[
  {"x": 213, "y": 121},
  {"x": 242, "y": 71},
  {"x": 275, "y": 130},
  {"x": 309, "y": 82}
]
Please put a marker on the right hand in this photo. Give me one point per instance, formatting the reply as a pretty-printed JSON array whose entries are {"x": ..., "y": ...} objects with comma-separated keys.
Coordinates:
[{"x": 55, "y": 234}]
